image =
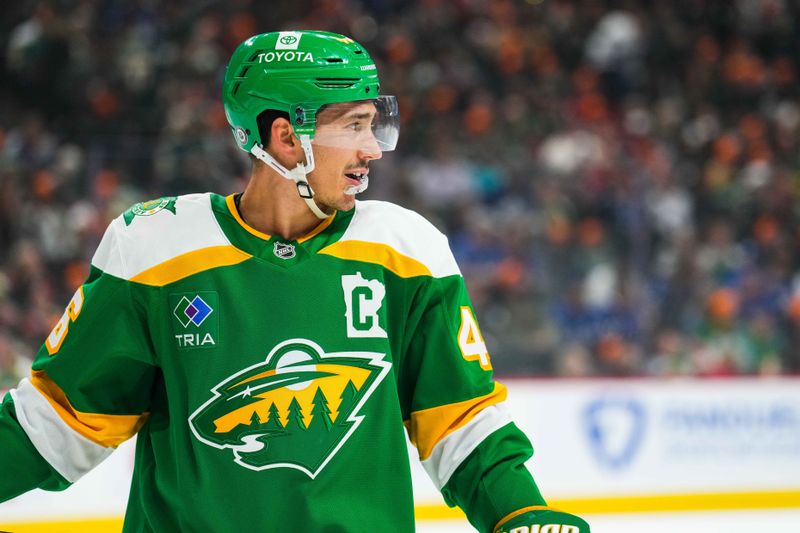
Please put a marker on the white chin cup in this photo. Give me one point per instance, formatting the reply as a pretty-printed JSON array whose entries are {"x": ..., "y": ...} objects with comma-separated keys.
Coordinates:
[{"x": 352, "y": 190}]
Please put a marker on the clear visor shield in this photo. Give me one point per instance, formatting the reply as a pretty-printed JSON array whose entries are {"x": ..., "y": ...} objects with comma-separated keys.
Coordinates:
[{"x": 367, "y": 125}]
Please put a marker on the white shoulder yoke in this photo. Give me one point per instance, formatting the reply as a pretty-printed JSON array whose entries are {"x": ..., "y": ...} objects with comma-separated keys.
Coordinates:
[
  {"x": 141, "y": 240},
  {"x": 404, "y": 231}
]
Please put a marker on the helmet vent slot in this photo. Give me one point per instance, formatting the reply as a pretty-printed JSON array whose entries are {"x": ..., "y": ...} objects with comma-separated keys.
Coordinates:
[
  {"x": 236, "y": 88},
  {"x": 335, "y": 83},
  {"x": 334, "y": 60},
  {"x": 255, "y": 54},
  {"x": 243, "y": 72}
]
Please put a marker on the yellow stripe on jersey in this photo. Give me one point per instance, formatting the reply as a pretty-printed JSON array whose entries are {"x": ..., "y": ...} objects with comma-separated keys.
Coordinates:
[
  {"x": 523, "y": 511},
  {"x": 105, "y": 430},
  {"x": 429, "y": 426},
  {"x": 231, "y": 203},
  {"x": 379, "y": 254},
  {"x": 190, "y": 263},
  {"x": 316, "y": 231}
]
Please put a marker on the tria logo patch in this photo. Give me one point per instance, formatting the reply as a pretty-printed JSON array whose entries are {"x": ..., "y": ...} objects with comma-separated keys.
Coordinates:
[
  {"x": 283, "y": 250},
  {"x": 146, "y": 209},
  {"x": 196, "y": 321},
  {"x": 296, "y": 409},
  {"x": 192, "y": 312}
]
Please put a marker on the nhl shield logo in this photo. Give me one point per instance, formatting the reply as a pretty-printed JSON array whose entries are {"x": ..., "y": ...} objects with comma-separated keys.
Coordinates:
[
  {"x": 296, "y": 409},
  {"x": 283, "y": 250}
]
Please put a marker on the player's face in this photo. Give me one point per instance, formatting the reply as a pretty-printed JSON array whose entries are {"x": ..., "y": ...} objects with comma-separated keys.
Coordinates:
[{"x": 344, "y": 145}]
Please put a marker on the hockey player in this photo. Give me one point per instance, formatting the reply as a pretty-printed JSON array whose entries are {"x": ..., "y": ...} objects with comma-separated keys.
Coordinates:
[{"x": 270, "y": 347}]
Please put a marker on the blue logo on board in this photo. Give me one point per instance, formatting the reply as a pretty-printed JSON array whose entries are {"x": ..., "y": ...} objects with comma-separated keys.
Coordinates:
[{"x": 614, "y": 428}]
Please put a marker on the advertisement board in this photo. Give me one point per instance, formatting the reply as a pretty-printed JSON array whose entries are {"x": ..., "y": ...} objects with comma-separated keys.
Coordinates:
[
  {"x": 649, "y": 445},
  {"x": 600, "y": 446}
]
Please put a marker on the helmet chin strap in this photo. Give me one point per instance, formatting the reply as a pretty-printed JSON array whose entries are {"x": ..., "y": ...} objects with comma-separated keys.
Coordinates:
[{"x": 297, "y": 174}]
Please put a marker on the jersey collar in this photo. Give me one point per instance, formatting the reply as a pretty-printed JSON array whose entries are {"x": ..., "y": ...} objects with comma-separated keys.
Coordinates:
[{"x": 274, "y": 248}]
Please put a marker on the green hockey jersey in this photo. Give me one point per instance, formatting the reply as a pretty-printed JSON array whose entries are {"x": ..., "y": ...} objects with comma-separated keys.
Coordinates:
[{"x": 270, "y": 381}]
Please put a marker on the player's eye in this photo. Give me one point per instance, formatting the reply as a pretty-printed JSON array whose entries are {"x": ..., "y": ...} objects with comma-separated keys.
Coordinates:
[{"x": 356, "y": 126}]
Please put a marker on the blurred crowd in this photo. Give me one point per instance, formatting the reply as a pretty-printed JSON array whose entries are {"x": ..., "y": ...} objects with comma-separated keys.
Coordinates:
[{"x": 619, "y": 180}]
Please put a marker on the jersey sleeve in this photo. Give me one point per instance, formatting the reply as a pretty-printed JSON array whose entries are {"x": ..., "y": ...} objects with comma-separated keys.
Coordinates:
[
  {"x": 89, "y": 387},
  {"x": 456, "y": 415}
]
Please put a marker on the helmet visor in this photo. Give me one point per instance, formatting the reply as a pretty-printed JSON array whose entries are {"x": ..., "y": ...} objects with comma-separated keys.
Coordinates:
[{"x": 364, "y": 125}]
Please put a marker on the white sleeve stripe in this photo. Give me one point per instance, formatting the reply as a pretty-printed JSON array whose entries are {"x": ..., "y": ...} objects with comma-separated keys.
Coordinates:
[
  {"x": 69, "y": 453},
  {"x": 451, "y": 451}
]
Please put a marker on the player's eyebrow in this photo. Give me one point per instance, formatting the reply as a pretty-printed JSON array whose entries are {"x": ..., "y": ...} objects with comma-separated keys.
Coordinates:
[
  {"x": 357, "y": 116},
  {"x": 330, "y": 113}
]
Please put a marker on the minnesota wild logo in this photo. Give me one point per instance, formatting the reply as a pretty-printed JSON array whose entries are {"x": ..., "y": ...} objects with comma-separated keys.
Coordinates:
[
  {"x": 295, "y": 410},
  {"x": 146, "y": 209}
]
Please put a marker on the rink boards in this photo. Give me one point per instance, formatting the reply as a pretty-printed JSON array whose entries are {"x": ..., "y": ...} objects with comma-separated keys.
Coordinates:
[{"x": 601, "y": 446}]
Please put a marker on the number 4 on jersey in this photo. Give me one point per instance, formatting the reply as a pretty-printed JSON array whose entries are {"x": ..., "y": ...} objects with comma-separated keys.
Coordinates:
[{"x": 470, "y": 340}]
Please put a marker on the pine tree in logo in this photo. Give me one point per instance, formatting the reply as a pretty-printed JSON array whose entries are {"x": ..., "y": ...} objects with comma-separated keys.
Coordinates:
[
  {"x": 273, "y": 420},
  {"x": 321, "y": 411},
  {"x": 348, "y": 398},
  {"x": 295, "y": 420}
]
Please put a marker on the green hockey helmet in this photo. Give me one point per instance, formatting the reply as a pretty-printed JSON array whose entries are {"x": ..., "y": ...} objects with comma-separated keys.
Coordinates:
[{"x": 298, "y": 72}]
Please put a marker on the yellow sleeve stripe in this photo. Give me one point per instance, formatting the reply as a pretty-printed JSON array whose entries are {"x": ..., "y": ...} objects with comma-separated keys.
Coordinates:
[
  {"x": 106, "y": 430},
  {"x": 429, "y": 426},
  {"x": 379, "y": 254},
  {"x": 522, "y": 511},
  {"x": 190, "y": 263}
]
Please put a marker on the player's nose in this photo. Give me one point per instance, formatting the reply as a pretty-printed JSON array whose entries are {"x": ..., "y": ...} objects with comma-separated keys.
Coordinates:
[{"x": 370, "y": 150}]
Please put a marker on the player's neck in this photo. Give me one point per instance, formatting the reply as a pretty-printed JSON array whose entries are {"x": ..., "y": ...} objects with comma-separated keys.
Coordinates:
[{"x": 271, "y": 205}]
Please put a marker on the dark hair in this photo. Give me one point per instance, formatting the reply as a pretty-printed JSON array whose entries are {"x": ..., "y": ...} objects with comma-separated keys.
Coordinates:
[{"x": 264, "y": 122}]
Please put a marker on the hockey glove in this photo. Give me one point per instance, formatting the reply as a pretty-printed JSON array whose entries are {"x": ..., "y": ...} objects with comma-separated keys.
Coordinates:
[{"x": 542, "y": 520}]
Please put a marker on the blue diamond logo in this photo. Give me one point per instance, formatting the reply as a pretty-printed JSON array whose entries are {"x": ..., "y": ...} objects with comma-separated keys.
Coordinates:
[{"x": 198, "y": 310}]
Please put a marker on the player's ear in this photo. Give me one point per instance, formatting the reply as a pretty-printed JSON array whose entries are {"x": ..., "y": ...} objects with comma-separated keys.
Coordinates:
[{"x": 282, "y": 138}]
